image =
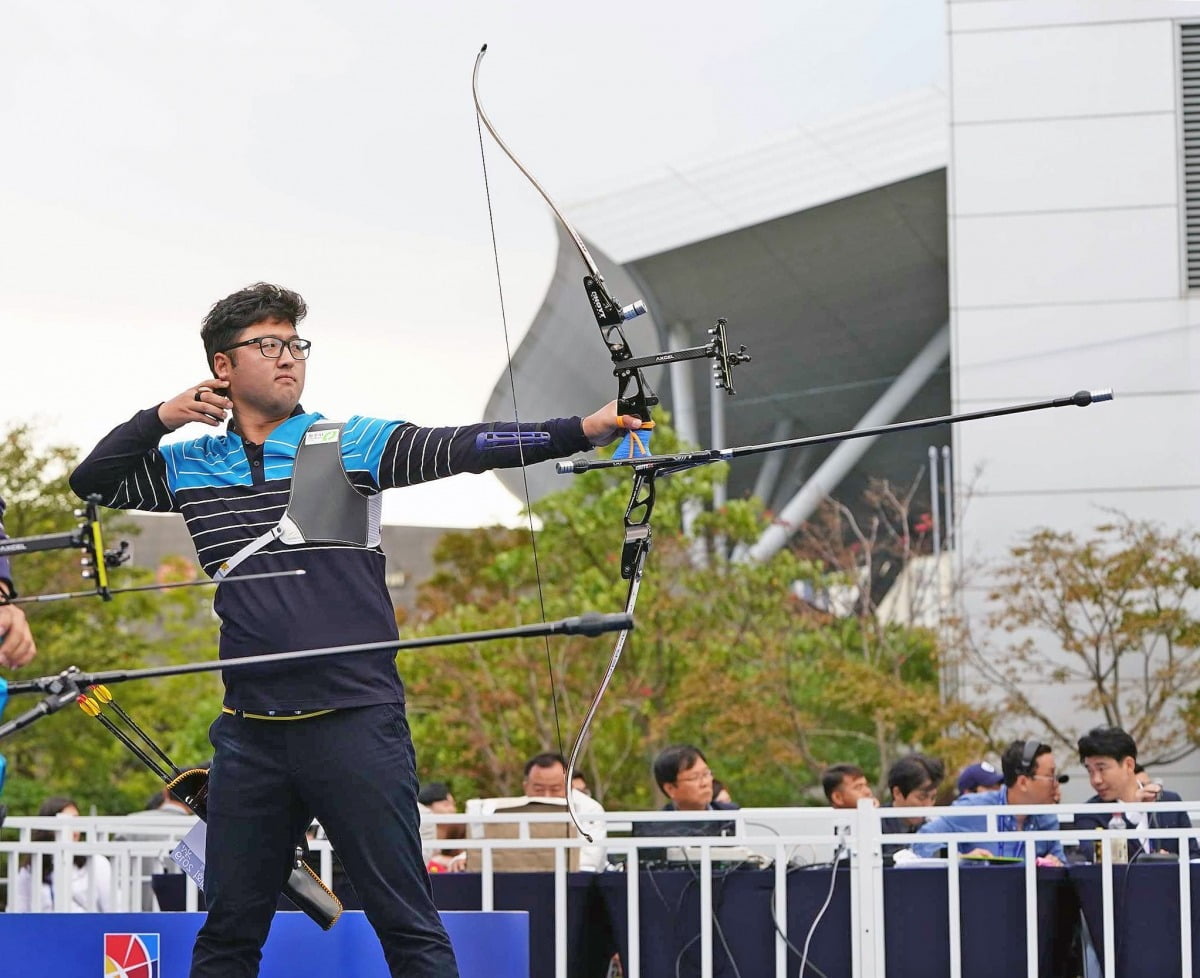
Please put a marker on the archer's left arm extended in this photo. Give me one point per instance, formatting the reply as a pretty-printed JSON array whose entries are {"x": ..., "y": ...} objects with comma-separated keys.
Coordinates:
[{"x": 414, "y": 454}]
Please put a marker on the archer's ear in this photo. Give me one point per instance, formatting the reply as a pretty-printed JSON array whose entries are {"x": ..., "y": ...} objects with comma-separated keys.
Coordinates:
[{"x": 221, "y": 366}]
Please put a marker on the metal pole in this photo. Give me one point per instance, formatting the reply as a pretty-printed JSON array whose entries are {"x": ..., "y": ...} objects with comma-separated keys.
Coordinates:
[
  {"x": 843, "y": 458},
  {"x": 934, "y": 509},
  {"x": 948, "y": 489}
]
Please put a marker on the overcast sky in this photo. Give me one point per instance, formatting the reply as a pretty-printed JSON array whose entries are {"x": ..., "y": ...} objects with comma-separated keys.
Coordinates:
[{"x": 158, "y": 156}]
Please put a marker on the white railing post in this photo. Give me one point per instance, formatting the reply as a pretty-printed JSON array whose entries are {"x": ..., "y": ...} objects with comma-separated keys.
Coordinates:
[
  {"x": 706, "y": 911},
  {"x": 487, "y": 896},
  {"x": 954, "y": 909},
  {"x": 633, "y": 909},
  {"x": 560, "y": 912},
  {"x": 867, "y": 895},
  {"x": 1031, "y": 909},
  {"x": 781, "y": 912},
  {"x": 1185, "y": 909},
  {"x": 1109, "y": 916}
]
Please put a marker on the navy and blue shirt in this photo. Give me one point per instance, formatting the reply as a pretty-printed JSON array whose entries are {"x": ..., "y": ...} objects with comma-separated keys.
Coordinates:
[{"x": 230, "y": 491}]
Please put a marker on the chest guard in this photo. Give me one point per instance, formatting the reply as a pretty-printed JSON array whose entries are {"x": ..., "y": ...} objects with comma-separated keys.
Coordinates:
[{"x": 323, "y": 505}]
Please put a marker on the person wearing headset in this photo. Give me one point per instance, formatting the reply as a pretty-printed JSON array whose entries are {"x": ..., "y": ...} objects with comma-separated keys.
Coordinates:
[
  {"x": 1030, "y": 778},
  {"x": 1110, "y": 756}
]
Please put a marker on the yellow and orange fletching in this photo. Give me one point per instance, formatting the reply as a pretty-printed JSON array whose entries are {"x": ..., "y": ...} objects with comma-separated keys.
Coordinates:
[
  {"x": 88, "y": 705},
  {"x": 101, "y": 693}
]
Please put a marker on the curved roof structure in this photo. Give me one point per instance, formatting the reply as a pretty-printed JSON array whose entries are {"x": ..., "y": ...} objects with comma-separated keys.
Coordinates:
[{"x": 836, "y": 289}]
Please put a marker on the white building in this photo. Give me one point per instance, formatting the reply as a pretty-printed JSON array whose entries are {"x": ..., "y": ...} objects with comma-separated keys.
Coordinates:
[{"x": 1072, "y": 260}]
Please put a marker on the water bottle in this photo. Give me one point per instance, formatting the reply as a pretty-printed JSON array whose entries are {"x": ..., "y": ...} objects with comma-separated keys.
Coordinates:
[{"x": 1120, "y": 846}]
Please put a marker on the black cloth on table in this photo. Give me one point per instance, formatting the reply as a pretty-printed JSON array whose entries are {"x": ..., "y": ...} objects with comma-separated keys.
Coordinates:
[{"x": 1146, "y": 914}]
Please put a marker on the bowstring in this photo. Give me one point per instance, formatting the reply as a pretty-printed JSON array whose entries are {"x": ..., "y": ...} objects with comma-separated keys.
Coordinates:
[{"x": 520, "y": 446}]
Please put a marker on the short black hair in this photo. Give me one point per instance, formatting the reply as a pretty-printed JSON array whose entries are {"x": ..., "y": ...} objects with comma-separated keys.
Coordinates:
[
  {"x": 673, "y": 760},
  {"x": 833, "y": 776},
  {"x": 434, "y": 791},
  {"x": 1014, "y": 763},
  {"x": 1107, "y": 742},
  {"x": 912, "y": 771},
  {"x": 248, "y": 306},
  {"x": 545, "y": 759}
]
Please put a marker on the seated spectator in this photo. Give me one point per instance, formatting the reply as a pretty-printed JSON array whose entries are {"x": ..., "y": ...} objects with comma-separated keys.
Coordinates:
[
  {"x": 683, "y": 775},
  {"x": 913, "y": 782},
  {"x": 451, "y": 859},
  {"x": 546, "y": 777},
  {"x": 434, "y": 799},
  {"x": 579, "y": 783},
  {"x": 90, "y": 877},
  {"x": 1110, "y": 756},
  {"x": 721, "y": 792},
  {"x": 975, "y": 778},
  {"x": 845, "y": 784},
  {"x": 1030, "y": 778}
]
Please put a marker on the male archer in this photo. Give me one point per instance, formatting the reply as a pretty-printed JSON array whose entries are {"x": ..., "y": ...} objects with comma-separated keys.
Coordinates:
[{"x": 329, "y": 739}]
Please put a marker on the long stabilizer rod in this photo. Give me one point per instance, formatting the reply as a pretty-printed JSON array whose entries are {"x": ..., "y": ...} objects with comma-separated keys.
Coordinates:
[
  {"x": 63, "y": 688},
  {"x": 687, "y": 460}
]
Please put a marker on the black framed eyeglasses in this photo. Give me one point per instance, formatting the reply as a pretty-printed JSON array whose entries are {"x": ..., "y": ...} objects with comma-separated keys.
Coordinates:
[{"x": 271, "y": 347}]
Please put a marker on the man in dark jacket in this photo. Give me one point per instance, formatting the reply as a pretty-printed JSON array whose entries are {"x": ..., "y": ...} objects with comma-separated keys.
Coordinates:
[{"x": 1110, "y": 756}]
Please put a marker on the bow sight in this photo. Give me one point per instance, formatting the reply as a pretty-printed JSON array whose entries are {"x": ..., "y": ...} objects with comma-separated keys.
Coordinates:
[{"x": 87, "y": 536}]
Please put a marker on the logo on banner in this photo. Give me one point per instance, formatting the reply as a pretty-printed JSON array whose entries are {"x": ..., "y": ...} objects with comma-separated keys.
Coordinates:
[{"x": 131, "y": 956}]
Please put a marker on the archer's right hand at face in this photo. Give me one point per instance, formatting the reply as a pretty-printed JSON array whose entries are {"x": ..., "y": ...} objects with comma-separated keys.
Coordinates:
[{"x": 200, "y": 402}]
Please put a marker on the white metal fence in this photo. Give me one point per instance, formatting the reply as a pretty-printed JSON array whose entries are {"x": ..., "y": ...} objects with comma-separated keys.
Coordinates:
[{"x": 776, "y": 840}]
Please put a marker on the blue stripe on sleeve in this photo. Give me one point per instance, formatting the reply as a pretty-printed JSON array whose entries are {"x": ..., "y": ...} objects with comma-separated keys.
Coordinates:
[{"x": 363, "y": 442}]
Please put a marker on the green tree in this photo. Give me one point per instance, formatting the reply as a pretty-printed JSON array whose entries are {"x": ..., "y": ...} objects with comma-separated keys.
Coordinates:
[
  {"x": 70, "y": 753},
  {"x": 723, "y": 655},
  {"x": 1113, "y": 614}
]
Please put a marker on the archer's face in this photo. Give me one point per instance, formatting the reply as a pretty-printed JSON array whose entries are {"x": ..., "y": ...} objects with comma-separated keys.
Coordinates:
[{"x": 270, "y": 387}]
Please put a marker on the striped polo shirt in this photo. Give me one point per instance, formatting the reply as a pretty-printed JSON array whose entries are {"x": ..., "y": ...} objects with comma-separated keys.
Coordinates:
[{"x": 230, "y": 491}]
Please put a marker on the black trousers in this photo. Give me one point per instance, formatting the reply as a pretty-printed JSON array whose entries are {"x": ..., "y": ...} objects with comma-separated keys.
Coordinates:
[{"x": 353, "y": 769}]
